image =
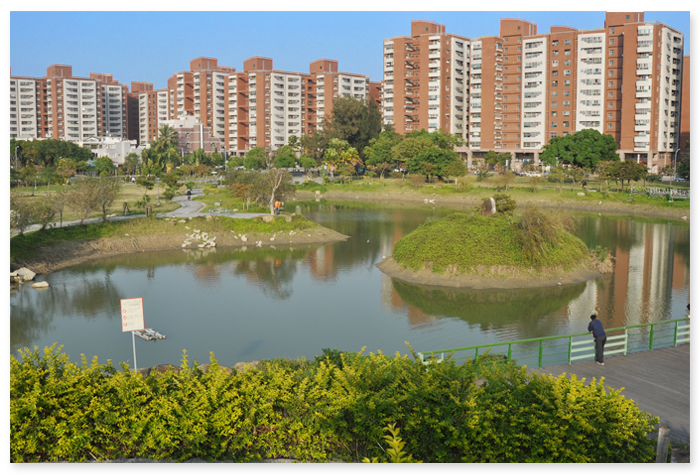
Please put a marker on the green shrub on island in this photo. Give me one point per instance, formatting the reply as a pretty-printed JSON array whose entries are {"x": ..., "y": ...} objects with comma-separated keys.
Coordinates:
[
  {"x": 463, "y": 244},
  {"x": 316, "y": 411}
]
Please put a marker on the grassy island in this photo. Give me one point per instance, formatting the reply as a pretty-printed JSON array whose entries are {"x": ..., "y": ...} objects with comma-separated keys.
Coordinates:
[{"x": 535, "y": 249}]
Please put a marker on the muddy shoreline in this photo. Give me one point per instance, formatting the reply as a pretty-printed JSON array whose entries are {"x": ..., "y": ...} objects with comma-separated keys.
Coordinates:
[
  {"x": 426, "y": 277},
  {"x": 67, "y": 254}
]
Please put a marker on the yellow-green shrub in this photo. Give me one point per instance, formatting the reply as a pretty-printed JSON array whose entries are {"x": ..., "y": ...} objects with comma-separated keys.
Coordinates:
[{"x": 314, "y": 411}]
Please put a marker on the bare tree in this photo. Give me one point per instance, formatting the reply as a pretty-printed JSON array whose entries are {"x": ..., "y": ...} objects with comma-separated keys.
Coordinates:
[
  {"x": 275, "y": 180},
  {"x": 84, "y": 197},
  {"x": 20, "y": 213},
  {"x": 109, "y": 190}
]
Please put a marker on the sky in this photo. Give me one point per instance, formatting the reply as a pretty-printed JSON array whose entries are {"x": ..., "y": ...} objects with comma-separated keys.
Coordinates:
[{"x": 151, "y": 46}]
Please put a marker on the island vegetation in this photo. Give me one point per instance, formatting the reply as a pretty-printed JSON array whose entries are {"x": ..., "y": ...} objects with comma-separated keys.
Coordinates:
[{"x": 534, "y": 245}]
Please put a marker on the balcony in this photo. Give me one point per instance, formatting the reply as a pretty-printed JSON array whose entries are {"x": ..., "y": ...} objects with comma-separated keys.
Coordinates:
[{"x": 641, "y": 92}]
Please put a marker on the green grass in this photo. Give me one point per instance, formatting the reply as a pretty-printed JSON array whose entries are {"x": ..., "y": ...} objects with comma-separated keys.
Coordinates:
[
  {"x": 520, "y": 190},
  {"x": 26, "y": 246},
  {"x": 469, "y": 242},
  {"x": 229, "y": 202}
]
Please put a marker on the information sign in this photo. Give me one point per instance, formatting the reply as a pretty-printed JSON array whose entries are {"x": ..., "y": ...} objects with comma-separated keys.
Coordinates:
[{"x": 132, "y": 315}]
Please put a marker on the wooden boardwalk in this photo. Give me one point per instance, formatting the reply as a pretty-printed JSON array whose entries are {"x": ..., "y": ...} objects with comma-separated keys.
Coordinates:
[{"x": 658, "y": 381}]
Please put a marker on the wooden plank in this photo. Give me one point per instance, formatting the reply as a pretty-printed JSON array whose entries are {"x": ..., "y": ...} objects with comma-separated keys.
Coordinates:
[{"x": 658, "y": 381}]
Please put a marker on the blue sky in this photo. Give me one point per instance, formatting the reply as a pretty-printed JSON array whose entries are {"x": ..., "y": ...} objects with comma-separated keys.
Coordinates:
[{"x": 151, "y": 46}]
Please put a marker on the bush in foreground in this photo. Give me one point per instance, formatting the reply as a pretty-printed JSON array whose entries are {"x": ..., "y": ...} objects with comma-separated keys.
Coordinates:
[{"x": 315, "y": 411}]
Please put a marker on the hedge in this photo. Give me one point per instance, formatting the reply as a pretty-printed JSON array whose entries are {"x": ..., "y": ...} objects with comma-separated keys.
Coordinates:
[{"x": 333, "y": 408}]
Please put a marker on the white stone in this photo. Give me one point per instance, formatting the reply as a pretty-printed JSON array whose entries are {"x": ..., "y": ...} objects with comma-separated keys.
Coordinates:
[
  {"x": 244, "y": 238},
  {"x": 40, "y": 285},
  {"x": 184, "y": 245},
  {"x": 272, "y": 238},
  {"x": 25, "y": 274},
  {"x": 235, "y": 210},
  {"x": 580, "y": 193},
  {"x": 196, "y": 230}
]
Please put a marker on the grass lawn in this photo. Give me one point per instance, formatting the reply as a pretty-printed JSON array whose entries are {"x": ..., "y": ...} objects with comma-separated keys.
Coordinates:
[
  {"x": 223, "y": 196},
  {"x": 521, "y": 190},
  {"x": 130, "y": 193}
]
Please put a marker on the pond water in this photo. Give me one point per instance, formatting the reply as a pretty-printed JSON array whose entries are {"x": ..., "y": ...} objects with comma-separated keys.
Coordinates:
[{"x": 292, "y": 302}]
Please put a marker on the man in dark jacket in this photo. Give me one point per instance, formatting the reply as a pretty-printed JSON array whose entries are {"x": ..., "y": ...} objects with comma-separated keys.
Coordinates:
[{"x": 596, "y": 328}]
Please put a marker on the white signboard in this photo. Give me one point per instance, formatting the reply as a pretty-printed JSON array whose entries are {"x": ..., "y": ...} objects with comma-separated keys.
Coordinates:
[{"x": 132, "y": 315}]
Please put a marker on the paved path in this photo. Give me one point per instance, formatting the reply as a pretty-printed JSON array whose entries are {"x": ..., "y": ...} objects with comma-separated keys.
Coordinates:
[
  {"x": 189, "y": 208},
  {"x": 658, "y": 381}
]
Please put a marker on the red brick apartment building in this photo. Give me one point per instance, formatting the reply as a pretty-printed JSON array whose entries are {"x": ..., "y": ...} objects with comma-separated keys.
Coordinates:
[{"x": 515, "y": 91}]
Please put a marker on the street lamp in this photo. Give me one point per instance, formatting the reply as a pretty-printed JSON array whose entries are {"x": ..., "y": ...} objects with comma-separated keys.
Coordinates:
[{"x": 223, "y": 149}]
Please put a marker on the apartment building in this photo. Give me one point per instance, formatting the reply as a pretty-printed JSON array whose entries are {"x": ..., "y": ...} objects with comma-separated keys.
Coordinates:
[
  {"x": 193, "y": 135},
  {"x": 66, "y": 107},
  {"x": 685, "y": 107},
  {"x": 515, "y": 91},
  {"x": 153, "y": 109}
]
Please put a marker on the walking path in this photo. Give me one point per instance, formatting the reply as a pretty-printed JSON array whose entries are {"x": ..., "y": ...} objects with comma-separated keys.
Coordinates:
[
  {"x": 658, "y": 381},
  {"x": 189, "y": 208}
]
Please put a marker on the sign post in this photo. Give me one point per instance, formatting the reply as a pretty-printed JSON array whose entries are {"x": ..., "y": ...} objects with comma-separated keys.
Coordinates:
[{"x": 132, "y": 319}]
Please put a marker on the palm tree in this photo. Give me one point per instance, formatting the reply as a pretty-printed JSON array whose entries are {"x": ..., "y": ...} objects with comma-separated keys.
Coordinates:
[{"x": 167, "y": 137}]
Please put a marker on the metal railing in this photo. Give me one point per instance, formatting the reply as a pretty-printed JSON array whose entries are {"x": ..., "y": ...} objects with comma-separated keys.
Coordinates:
[{"x": 554, "y": 350}]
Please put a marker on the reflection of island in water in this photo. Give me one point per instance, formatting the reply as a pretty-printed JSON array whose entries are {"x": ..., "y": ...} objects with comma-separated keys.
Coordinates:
[{"x": 491, "y": 308}]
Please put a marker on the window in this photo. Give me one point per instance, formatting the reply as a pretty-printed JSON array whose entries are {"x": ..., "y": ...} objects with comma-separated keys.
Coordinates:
[
  {"x": 567, "y": 72},
  {"x": 555, "y": 53},
  {"x": 609, "y": 125},
  {"x": 610, "y": 93},
  {"x": 555, "y": 63},
  {"x": 555, "y": 43},
  {"x": 610, "y": 73},
  {"x": 612, "y": 41},
  {"x": 554, "y": 93},
  {"x": 566, "y": 124},
  {"x": 555, "y": 73},
  {"x": 612, "y": 30},
  {"x": 554, "y": 113},
  {"x": 567, "y": 62},
  {"x": 519, "y": 49},
  {"x": 555, "y": 83},
  {"x": 612, "y": 52},
  {"x": 517, "y": 107},
  {"x": 554, "y": 124},
  {"x": 609, "y": 115},
  {"x": 567, "y": 52},
  {"x": 567, "y": 41},
  {"x": 610, "y": 104},
  {"x": 567, "y": 93},
  {"x": 555, "y": 104},
  {"x": 611, "y": 62},
  {"x": 506, "y": 42}
]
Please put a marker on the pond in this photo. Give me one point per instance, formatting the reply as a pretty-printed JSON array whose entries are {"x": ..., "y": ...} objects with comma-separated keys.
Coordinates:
[{"x": 291, "y": 302}]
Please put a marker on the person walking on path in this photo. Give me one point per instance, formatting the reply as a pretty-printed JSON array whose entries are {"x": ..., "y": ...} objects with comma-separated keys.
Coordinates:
[
  {"x": 189, "y": 195},
  {"x": 596, "y": 328},
  {"x": 277, "y": 206}
]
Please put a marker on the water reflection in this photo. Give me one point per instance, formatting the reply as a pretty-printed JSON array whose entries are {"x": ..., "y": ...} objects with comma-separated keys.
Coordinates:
[
  {"x": 530, "y": 310},
  {"x": 293, "y": 301}
]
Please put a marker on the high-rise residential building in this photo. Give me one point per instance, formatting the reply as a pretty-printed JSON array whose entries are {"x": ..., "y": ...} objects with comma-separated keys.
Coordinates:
[
  {"x": 65, "y": 107},
  {"x": 154, "y": 108},
  {"x": 685, "y": 107},
  {"x": 515, "y": 91}
]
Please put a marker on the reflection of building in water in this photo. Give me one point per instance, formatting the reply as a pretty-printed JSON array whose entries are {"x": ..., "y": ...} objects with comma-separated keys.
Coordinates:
[
  {"x": 393, "y": 301},
  {"x": 580, "y": 309},
  {"x": 321, "y": 263},
  {"x": 644, "y": 275}
]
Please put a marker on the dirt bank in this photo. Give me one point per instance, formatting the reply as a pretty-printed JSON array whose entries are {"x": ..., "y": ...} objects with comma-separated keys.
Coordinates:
[
  {"x": 66, "y": 254},
  {"x": 468, "y": 201},
  {"x": 473, "y": 281}
]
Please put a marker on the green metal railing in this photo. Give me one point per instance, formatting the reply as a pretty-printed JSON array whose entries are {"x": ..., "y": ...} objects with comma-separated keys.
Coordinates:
[{"x": 553, "y": 350}]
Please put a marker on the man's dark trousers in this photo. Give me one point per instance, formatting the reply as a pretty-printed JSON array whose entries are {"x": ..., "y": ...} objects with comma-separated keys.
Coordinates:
[{"x": 599, "y": 344}]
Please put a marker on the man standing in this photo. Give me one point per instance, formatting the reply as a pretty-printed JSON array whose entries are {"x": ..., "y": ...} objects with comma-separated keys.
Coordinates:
[
  {"x": 596, "y": 328},
  {"x": 277, "y": 206}
]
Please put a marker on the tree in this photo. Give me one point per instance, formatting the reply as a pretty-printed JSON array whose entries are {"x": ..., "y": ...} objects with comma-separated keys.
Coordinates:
[
  {"x": 20, "y": 212},
  {"x": 505, "y": 179},
  {"x": 43, "y": 210},
  {"x": 438, "y": 157},
  {"x": 66, "y": 168},
  {"x": 167, "y": 138},
  {"x": 29, "y": 174},
  {"x": 576, "y": 174},
  {"x": 586, "y": 148},
  {"x": 285, "y": 157},
  {"x": 455, "y": 169},
  {"x": 83, "y": 198},
  {"x": 378, "y": 153},
  {"x": 630, "y": 170},
  {"x": 410, "y": 147},
  {"x": 306, "y": 161},
  {"x": 370, "y": 126},
  {"x": 559, "y": 175},
  {"x": 255, "y": 158},
  {"x": 104, "y": 166},
  {"x": 131, "y": 164},
  {"x": 340, "y": 152}
]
